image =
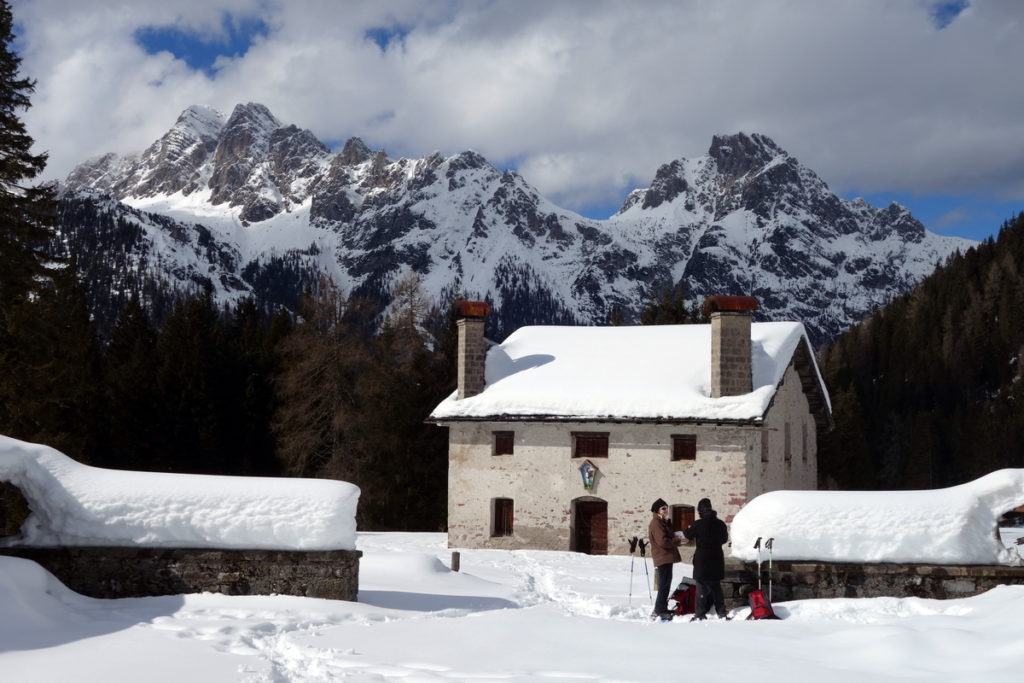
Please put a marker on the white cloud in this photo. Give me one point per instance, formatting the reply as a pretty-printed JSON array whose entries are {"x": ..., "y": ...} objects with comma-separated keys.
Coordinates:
[{"x": 586, "y": 97}]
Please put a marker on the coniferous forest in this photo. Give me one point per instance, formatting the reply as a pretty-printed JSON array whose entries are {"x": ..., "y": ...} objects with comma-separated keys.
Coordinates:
[{"x": 928, "y": 392}]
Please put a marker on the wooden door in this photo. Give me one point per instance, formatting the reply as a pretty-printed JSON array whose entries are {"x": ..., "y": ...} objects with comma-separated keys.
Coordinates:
[{"x": 590, "y": 527}]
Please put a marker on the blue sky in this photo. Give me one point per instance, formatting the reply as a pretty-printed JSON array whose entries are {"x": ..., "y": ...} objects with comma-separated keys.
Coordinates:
[
  {"x": 916, "y": 102},
  {"x": 200, "y": 51}
]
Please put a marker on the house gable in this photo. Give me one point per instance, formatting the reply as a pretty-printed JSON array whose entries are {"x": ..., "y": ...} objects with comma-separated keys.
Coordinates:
[{"x": 813, "y": 387}]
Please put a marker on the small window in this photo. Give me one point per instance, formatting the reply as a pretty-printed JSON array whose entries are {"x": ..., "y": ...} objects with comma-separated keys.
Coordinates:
[
  {"x": 504, "y": 443},
  {"x": 501, "y": 524},
  {"x": 766, "y": 443},
  {"x": 590, "y": 444},
  {"x": 803, "y": 426},
  {"x": 684, "y": 447},
  {"x": 788, "y": 447},
  {"x": 682, "y": 517}
]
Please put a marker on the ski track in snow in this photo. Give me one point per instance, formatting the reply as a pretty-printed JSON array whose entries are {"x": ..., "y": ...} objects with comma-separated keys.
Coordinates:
[{"x": 287, "y": 650}]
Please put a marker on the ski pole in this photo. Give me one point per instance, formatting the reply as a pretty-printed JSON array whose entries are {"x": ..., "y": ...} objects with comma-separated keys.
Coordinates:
[
  {"x": 632, "y": 549},
  {"x": 757, "y": 545},
  {"x": 768, "y": 544},
  {"x": 643, "y": 556}
]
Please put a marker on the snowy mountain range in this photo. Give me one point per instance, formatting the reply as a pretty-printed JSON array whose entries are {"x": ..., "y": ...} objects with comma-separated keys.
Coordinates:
[{"x": 252, "y": 206}]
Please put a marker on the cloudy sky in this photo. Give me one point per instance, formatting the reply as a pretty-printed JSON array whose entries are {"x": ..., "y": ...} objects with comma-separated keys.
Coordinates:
[{"x": 913, "y": 100}]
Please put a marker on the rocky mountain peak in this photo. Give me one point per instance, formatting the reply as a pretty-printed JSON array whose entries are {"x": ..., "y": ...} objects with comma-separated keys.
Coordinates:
[
  {"x": 738, "y": 154},
  {"x": 668, "y": 184},
  {"x": 746, "y": 218},
  {"x": 200, "y": 120},
  {"x": 252, "y": 116},
  {"x": 354, "y": 152}
]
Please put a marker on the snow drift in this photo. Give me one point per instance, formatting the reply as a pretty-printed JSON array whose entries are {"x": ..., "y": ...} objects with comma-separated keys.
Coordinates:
[
  {"x": 74, "y": 504},
  {"x": 957, "y": 525}
]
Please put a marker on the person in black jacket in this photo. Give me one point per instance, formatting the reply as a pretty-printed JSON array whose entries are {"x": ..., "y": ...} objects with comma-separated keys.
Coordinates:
[{"x": 708, "y": 559}]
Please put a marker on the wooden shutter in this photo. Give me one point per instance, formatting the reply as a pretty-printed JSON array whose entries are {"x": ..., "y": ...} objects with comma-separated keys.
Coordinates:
[
  {"x": 504, "y": 443},
  {"x": 590, "y": 444},
  {"x": 502, "y": 517},
  {"x": 684, "y": 447},
  {"x": 682, "y": 517}
]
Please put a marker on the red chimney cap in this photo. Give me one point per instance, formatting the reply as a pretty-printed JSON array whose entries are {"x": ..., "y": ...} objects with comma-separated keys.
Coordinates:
[
  {"x": 730, "y": 304},
  {"x": 473, "y": 309}
]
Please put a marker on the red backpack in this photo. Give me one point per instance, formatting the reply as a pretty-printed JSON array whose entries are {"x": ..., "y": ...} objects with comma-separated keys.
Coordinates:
[
  {"x": 760, "y": 606},
  {"x": 760, "y": 603},
  {"x": 685, "y": 596}
]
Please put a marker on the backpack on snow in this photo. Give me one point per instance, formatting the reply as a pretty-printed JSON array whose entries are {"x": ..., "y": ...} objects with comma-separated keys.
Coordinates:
[
  {"x": 685, "y": 596},
  {"x": 759, "y": 601},
  {"x": 760, "y": 605}
]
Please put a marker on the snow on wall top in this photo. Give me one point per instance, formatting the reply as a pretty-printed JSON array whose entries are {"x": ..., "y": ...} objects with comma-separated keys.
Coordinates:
[
  {"x": 650, "y": 372},
  {"x": 74, "y": 504},
  {"x": 955, "y": 525}
]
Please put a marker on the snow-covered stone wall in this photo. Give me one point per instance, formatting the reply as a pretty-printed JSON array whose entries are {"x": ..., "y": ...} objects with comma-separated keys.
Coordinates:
[
  {"x": 956, "y": 525},
  {"x": 74, "y": 504}
]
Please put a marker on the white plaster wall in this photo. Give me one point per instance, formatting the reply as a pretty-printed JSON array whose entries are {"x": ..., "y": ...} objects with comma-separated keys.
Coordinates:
[
  {"x": 801, "y": 470},
  {"x": 543, "y": 479}
]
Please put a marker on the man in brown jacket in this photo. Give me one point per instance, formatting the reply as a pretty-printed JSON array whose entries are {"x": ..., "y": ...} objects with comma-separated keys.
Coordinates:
[{"x": 664, "y": 553}]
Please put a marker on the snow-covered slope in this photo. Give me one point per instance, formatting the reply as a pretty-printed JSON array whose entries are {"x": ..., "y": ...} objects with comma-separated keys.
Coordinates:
[{"x": 746, "y": 218}]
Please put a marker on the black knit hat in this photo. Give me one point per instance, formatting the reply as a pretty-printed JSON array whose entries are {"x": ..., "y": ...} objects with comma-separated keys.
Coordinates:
[{"x": 658, "y": 504}]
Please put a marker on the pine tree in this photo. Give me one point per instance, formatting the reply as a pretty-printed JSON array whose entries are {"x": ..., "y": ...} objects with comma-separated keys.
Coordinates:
[
  {"x": 667, "y": 308},
  {"x": 27, "y": 218},
  {"x": 132, "y": 398},
  {"x": 192, "y": 386},
  {"x": 314, "y": 388},
  {"x": 27, "y": 212}
]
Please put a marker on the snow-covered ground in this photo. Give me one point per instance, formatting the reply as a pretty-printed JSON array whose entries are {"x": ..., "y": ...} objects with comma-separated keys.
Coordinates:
[{"x": 507, "y": 616}]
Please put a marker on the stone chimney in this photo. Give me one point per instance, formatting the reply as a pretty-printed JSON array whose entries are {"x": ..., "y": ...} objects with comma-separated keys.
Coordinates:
[
  {"x": 472, "y": 347},
  {"x": 731, "y": 370}
]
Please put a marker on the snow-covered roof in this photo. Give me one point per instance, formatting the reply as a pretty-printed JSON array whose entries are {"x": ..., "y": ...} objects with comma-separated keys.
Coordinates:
[
  {"x": 955, "y": 525},
  {"x": 656, "y": 372},
  {"x": 74, "y": 504}
]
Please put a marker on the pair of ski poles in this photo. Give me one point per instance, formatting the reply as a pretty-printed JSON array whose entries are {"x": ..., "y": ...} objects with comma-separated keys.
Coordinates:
[
  {"x": 634, "y": 543},
  {"x": 768, "y": 547}
]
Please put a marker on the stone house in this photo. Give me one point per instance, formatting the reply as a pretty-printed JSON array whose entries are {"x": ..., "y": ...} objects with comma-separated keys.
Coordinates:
[{"x": 560, "y": 437}]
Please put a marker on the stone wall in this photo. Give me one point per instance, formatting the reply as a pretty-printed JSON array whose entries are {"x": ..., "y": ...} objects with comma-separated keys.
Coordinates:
[
  {"x": 810, "y": 580},
  {"x": 730, "y": 354},
  {"x": 101, "y": 572},
  {"x": 472, "y": 352},
  {"x": 543, "y": 480}
]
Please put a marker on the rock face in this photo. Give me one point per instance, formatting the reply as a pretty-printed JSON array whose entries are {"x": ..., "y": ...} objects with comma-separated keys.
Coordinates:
[{"x": 253, "y": 206}]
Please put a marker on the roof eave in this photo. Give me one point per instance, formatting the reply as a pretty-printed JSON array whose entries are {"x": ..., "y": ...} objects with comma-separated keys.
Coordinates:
[{"x": 747, "y": 422}]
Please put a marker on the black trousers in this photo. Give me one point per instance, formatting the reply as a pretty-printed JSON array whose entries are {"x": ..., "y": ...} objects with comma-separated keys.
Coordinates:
[
  {"x": 710, "y": 593},
  {"x": 664, "y": 578}
]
